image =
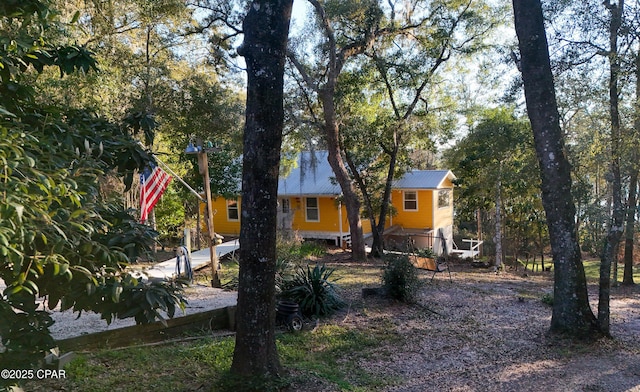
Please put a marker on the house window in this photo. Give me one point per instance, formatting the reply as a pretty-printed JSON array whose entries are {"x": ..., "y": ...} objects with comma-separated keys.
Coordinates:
[
  {"x": 410, "y": 201},
  {"x": 286, "y": 205},
  {"x": 232, "y": 210},
  {"x": 444, "y": 198},
  {"x": 311, "y": 208}
]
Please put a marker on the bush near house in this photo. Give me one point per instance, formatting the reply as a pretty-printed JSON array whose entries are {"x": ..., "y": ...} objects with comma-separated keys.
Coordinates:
[{"x": 400, "y": 279}]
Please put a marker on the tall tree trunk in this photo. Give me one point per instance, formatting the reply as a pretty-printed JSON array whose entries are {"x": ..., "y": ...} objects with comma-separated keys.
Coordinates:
[
  {"x": 377, "y": 248},
  {"x": 632, "y": 203},
  {"x": 630, "y": 231},
  {"x": 616, "y": 222},
  {"x": 351, "y": 199},
  {"x": 327, "y": 93},
  {"x": 266, "y": 28},
  {"x": 377, "y": 226},
  {"x": 480, "y": 238},
  {"x": 572, "y": 315},
  {"x": 498, "y": 221}
]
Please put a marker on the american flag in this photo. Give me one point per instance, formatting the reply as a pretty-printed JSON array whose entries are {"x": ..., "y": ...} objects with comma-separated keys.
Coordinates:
[{"x": 153, "y": 182}]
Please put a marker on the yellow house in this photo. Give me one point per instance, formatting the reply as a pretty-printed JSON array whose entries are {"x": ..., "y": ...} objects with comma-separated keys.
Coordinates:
[
  {"x": 423, "y": 204},
  {"x": 309, "y": 204},
  {"x": 309, "y": 201}
]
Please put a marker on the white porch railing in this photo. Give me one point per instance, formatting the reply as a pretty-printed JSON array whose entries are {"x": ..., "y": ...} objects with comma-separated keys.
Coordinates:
[{"x": 473, "y": 251}]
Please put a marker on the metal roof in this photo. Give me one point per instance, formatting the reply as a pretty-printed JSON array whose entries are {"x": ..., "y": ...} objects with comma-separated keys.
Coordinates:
[
  {"x": 314, "y": 176},
  {"x": 423, "y": 179}
]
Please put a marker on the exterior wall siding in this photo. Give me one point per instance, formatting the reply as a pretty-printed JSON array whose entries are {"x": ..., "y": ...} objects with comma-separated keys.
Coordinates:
[
  {"x": 447, "y": 183},
  {"x": 443, "y": 216},
  {"x": 422, "y": 218},
  {"x": 221, "y": 222},
  {"x": 329, "y": 216},
  {"x": 425, "y": 217},
  {"x": 328, "y": 213}
]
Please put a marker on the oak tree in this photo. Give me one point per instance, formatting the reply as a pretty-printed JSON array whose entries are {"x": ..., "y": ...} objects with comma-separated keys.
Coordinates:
[
  {"x": 266, "y": 29},
  {"x": 571, "y": 314},
  {"x": 62, "y": 239},
  {"x": 405, "y": 45}
]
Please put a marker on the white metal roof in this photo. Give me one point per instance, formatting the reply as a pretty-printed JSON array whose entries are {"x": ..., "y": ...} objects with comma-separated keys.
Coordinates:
[
  {"x": 423, "y": 179},
  {"x": 312, "y": 176},
  {"x": 315, "y": 177}
]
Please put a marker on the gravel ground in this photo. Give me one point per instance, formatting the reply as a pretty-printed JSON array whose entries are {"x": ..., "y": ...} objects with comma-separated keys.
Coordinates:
[
  {"x": 199, "y": 297},
  {"x": 487, "y": 332}
]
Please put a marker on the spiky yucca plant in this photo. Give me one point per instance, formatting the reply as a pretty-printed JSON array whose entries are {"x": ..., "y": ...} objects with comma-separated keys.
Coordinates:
[{"x": 313, "y": 291}]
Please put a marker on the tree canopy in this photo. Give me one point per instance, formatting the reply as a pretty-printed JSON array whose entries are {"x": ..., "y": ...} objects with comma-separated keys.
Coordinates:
[{"x": 64, "y": 236}]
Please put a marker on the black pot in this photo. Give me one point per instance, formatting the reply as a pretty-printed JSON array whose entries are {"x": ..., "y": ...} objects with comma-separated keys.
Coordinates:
[
  {"x": 288, "y": 314},
  {"x": 286, "y": 308}
]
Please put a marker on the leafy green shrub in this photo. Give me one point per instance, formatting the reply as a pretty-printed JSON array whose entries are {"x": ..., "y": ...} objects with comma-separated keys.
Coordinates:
[
  {"x": 400, "y": 279},
  {"x": 288, "y": 257},
  {"x": 295, "y": 249},
  {"x": 58, "y": 242},
  {"x": 312, "y": 248},
  {"x": 313, "y": 291},
  {"x": 123, "y": 296},
  {"x": 426, "y": 252},
  {"x": 291, "y": 252},
  {"x": 126, "y": 233}
]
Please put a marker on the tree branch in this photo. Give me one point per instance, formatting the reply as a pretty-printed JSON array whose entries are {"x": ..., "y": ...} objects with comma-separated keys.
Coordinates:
[{"x": 309, "y": 81}]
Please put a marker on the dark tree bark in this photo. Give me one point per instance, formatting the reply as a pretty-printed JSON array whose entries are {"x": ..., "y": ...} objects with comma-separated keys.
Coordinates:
[
  {"x": 632, "y": 204},
  {"x": 266, "y": 28},
  {"x": 378, "y": 229},
  {"x": 632, "y": 201},
  {"x": 616, "y": 222},
  {"x": 572, "y": 315},
  {"x": 351, "y": 199},
  {"x": 377, "y": 247}
]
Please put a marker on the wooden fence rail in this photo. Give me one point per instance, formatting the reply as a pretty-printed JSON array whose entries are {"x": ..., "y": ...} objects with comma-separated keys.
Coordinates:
[{"x": 217, "y": 319}]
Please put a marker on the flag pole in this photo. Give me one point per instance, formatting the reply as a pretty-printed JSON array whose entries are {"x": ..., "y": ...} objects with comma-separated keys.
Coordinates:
[{"x": 180, "y": 179}]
